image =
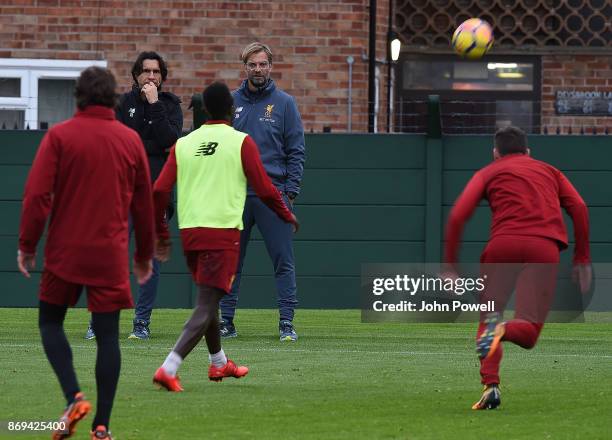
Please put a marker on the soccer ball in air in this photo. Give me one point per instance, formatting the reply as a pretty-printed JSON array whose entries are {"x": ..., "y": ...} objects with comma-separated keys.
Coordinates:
[{"x": 473, "y": 38}]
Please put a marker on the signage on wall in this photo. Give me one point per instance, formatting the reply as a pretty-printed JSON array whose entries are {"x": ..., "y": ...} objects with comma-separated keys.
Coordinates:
[{"x": 569, "y": 102}]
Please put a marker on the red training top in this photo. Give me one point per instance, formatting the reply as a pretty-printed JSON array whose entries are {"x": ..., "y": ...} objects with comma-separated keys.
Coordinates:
[
  {"x": 89, "y": 172},
  {"x": 525, "y": 196},
  {"x": 217, "y": 238}
]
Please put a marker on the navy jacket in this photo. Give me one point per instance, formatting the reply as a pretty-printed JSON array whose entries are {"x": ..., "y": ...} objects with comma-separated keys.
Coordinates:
[
  {"x": 159, "y": 125},
  {"x": 271, "y": 117}
]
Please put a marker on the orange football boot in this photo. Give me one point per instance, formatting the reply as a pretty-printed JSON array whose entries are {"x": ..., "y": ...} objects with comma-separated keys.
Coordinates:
[
  {"x": 163, "y": 379},
  {"x": 74, "y": 412},
  {"x": 228, "y": 370}
]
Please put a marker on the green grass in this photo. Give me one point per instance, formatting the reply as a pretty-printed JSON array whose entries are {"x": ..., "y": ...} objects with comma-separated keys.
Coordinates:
[{"x": 341, "y": 380}]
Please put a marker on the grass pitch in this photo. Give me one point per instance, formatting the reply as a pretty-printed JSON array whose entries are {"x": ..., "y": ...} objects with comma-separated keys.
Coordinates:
[{"x": 341, "y": 380}]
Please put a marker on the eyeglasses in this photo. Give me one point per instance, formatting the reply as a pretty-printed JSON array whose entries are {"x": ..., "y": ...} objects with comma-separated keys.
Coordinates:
[
  {"x": 254, "y": 66},
  {"x": 151, "y": 71}
]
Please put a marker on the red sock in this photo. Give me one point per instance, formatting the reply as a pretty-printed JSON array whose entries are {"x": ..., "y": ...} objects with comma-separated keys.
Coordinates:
[
  {"x": 523, "y": 333},
  {"x": 489, "y": 368}
]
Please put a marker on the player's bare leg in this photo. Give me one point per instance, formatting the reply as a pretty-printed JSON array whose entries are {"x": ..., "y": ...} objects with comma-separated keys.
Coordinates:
[{"x": 204, "y": 322}]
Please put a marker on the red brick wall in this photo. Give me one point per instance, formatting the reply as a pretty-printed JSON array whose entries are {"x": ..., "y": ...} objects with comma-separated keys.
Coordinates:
[
  {"x": 201, "y": 40},
  {"x": 574, "y": 73}
]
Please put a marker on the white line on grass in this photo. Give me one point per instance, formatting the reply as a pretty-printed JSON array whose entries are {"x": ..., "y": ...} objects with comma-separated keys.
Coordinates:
[{"x": 299, "y": 350}]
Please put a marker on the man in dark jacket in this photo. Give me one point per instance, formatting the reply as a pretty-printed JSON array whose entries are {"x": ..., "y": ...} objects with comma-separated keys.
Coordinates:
[
  {"x": 271, "y": 117},
  {"x": 158, "y": 119}
]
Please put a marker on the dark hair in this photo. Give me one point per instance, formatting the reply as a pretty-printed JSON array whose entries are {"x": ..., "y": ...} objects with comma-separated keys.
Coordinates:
[
  {"x": 96, "y": 86},
  {"x": 150, "y": 55},
  {"x": 218, "y": 100},
  {"x": 510, "y": 140}
]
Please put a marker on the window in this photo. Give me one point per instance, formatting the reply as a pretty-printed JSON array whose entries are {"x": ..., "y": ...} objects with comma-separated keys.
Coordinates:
[
  {"x": 476, "y": 96},
  {"x": 55, "y": 101},
  {"x": 10, "y": 87},
  {"x": 467, "y": 75},
  {"x": 12, "y": 119},
  {"x": 36, "y": 94}
]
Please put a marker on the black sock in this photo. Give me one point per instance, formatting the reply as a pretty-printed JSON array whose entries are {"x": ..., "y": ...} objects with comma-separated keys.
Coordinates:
[
  {"x": 57, "y": 348},
  {"x": 108, "y": 364}
]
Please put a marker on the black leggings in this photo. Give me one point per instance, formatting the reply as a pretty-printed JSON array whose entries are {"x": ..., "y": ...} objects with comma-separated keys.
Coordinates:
[
  {"x": 108, "y": 360},
  {"x": 108, "y": 364}
]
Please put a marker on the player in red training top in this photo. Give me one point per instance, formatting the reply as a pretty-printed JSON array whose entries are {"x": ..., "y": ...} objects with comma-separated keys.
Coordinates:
[
  {"x": 527, "y": 234},
  {"x": 89, "y": 173},
  {"x": 211, "y": 167}
]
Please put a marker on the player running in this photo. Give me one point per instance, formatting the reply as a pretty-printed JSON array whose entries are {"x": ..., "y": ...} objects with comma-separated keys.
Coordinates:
[
  {"x": 527, "y": 233},
  {"x": 211, "y": 167}
]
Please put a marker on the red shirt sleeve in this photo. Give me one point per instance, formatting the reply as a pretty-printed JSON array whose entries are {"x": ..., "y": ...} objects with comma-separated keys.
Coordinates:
[
  {"x": 161, "y": 194},
  {"x": 576, "y": 208},
  {"x": 38, "y": 194},
  {"x": 459, "y": 215},
  {"x": 261, "y": 183},
  {"x": 142, "y": 210}
]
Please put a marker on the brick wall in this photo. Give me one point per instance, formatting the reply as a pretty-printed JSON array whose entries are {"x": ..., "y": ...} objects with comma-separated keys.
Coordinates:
[
  {"x": 575, "y": 73},
  {"x": 201, "y": 40}
]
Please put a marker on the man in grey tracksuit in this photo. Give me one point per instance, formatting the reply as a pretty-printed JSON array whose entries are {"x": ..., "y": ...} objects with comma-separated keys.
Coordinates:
[{"x": 270, "y": 116}]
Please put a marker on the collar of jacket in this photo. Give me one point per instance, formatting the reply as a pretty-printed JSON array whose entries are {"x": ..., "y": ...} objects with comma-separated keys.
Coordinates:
[
  {"x": 218, "y": 121},
  {"x": 260, "y": 93},
  {"x": 96, "y": 111}
]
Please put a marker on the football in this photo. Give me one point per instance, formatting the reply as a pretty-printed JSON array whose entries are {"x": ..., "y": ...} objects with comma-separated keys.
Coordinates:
[{"x": 473, "y": 38}]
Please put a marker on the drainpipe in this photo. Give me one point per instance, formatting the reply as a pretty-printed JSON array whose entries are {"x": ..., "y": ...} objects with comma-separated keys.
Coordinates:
[
  {"x": 350, "y": 60},
  {"x": 389, "y": 69},
  {"x": 372, "y": 66}
]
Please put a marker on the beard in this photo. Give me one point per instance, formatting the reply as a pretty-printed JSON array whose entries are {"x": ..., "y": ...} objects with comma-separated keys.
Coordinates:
[{"x": 258, "y": 81}]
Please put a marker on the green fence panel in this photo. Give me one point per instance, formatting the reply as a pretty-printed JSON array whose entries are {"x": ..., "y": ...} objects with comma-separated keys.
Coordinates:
[
  {"x": 363, "y": 186},
  {"x": 12, "y": 181},
  {"x": 313, "y": 292},
  {"x": 19, "y": 146},
  {"x": 365, "y": 151},
  {"x": 330, "y": 258},
  {"x": 365, "y": 199}
]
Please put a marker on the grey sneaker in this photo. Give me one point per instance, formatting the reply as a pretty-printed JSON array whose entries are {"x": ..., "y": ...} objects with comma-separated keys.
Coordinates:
[
  {"x": 287, "y": 331},
  {"x": 227, "y": 329},
  {"x": 141, "y": 330},
  {"x": 89, "y": 335}
]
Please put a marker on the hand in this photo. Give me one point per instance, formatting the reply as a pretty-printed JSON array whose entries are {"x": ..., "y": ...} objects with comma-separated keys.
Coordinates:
[
  {"x": 25, "y": 262},
  {"x": 149, "y": 90},
  {"x": 582, "y": 274},
  {"x": 448, "y": 272},
  {"x": 295, "y": 223},
  {"x": 290, "y": 198},
  {"x": 163, "y": 249},
  {"x": 143, "y": 271},
  {"x": 449, "y": 275}
]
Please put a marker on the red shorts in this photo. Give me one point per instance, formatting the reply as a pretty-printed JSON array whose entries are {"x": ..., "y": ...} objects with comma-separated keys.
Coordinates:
[
  {"x": 213, "y": 268},
  {"x": 526, "y": 265},
  {"x": 100, "y": 299}
]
